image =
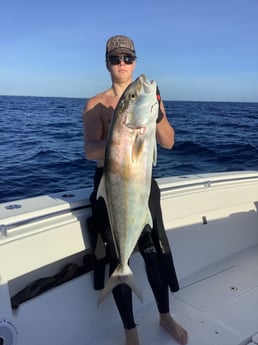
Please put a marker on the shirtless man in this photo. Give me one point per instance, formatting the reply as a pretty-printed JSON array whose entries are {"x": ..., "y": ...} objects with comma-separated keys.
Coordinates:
[{"x": 121, "y": 62}]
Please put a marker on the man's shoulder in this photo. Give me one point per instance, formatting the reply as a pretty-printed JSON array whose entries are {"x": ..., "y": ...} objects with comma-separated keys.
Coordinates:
[
  {"x": 101, "y": 98},
  {"x": 99, "y": 103}
]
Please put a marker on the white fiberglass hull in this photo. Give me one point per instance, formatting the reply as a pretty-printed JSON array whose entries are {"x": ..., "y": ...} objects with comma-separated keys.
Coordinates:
[{"x": 212, "y": 225}]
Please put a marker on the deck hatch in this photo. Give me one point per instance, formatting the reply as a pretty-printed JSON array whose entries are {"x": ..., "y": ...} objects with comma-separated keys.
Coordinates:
[{"x": 218, "y": 289}]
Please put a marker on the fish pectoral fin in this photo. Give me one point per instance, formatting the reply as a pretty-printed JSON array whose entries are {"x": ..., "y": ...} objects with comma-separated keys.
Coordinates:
[
  {"x": 137, "y": 147},
  {"x": 118, "y": 277}
]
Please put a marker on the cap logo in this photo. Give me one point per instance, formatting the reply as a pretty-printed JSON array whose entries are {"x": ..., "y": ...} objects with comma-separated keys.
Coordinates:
[{"x": 121, "y": 44}]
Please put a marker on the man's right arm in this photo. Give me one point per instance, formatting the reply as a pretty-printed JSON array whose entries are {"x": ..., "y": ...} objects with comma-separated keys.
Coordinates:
[{"x": 94, "y": 145}]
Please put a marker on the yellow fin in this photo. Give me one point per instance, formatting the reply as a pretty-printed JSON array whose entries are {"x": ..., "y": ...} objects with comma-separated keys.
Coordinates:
[{"x": 137, "y": 147}]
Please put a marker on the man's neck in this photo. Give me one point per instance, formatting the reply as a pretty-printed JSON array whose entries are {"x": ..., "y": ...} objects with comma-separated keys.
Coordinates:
[{"x": 119, "y": 88}]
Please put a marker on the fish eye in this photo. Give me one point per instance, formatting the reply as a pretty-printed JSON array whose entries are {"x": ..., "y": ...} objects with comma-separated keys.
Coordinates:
[{"x": 132, "y": 96}]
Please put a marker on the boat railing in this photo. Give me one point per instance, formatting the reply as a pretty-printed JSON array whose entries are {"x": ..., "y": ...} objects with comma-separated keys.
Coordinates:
[{"x": 4, "y": 228}]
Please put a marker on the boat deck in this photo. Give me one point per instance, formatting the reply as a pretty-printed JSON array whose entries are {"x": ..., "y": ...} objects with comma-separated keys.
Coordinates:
[
  {"x": 212, "y": 226},
  {"x": 212, "y": 304}
]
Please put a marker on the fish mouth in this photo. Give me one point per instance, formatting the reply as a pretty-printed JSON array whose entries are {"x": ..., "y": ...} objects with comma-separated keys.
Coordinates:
[
  {"x": 146, "y": 84},
  {"x": 140, "y": 128}
]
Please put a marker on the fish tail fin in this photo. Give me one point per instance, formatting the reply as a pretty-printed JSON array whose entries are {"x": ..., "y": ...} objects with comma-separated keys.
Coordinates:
[{"x": 118, "y": 277}]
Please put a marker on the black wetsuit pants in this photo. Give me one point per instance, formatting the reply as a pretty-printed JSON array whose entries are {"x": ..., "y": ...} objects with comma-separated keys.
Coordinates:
[{"x": 147, "y": 245}]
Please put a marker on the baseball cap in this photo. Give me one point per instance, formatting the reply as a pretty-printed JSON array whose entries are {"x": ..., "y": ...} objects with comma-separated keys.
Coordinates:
[{"x": 120, "y": 44}]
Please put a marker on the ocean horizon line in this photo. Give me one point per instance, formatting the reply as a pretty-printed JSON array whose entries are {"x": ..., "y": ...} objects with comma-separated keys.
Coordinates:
[{"x": 165, "y": 100}]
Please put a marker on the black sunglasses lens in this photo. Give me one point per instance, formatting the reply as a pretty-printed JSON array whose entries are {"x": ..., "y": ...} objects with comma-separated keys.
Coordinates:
[
  {"x": 128, "y": 60},
  {"x": 115, "y": 60}
]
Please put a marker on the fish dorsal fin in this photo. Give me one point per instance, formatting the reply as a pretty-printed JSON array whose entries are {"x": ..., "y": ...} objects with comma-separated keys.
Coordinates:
[
  {"x": 137, "y": 147},
  {"x": 101, "y": 189},
  {"x": 101, "y": 193}
]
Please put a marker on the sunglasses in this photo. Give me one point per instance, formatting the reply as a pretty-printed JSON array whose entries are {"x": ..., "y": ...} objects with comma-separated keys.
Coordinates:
[{"x": 115, "y": 60}]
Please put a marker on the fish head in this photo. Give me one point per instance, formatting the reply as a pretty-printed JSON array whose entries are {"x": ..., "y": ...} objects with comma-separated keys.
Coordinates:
[{"x": 139, "y": 105}]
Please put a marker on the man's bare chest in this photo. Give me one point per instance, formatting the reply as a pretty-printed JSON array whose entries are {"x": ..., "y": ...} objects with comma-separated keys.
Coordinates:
[{"x": 106, "y": 116}]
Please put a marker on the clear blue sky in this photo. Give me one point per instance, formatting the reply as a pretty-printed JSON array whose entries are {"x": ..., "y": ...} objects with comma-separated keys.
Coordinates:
[{"x": 194, "y": 49}]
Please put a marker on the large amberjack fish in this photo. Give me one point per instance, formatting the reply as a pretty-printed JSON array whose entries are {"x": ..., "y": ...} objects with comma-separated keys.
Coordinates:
[{"x": 131, "y": 151}]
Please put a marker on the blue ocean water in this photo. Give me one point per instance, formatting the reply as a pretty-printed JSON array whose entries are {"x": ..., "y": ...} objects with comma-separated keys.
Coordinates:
[{"x": 41, "y": 142}]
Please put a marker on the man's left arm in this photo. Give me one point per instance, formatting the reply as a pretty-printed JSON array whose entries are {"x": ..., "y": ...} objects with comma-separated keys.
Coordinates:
[{"x": 164, "y": 131}]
